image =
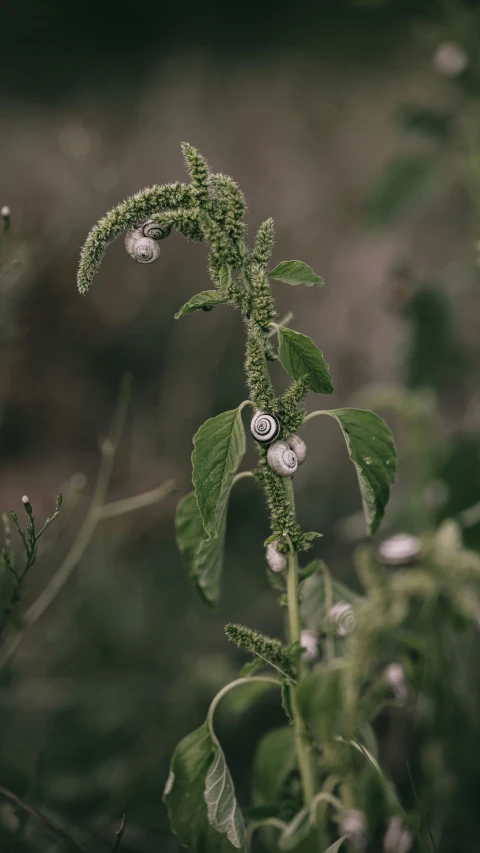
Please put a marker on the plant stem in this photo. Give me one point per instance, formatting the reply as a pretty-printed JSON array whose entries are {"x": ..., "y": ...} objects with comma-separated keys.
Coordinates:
[{"x": 301, "y": 744}]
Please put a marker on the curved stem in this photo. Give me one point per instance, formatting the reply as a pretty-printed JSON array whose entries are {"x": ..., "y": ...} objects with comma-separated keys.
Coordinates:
[{"x": 259, "y": 679}]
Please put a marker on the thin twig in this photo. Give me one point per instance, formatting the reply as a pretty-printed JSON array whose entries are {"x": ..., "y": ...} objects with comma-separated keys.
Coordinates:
[
  {"x": 137, "y": 501},
  {"x": 94, "y": 515},
  {"x": 53, "y": 827},
  {"x": 119, "y": 835}
]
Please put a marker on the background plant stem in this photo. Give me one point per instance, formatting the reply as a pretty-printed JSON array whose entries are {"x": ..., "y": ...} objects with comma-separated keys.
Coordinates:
[{"x": 301, "y": 743}]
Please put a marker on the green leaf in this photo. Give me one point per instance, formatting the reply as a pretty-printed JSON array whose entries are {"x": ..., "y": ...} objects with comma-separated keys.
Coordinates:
[
  {"x": 199, "y": 814},
  {"x": 202, "y": 557},
  {"x": 300, "y": 357},
  {"x": 335, "y": 847},
  {"x": 372, "y": 450},
  {"x": 312, "y": 535},
  {"x": 321, "y": 699},
  {"x": 296, "y": 272},
  {"x": 223, "y": 811},
  {"x": 274, "y": 761},
  {"x": 312, "y": 568},
  {"x": 219, "y": 446},
  {"x": 224, "y": 278},
  {"x": 404, "y": 183},
  {"x": 204, "y": 300}
]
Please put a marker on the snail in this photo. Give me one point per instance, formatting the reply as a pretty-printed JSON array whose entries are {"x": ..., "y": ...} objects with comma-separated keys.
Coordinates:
[
  {"x": 399, "y": 550},
  {"x": 282, "y": 459},
  {"x": 298, "y": 446},
  {"x": 145, "y": 250},
  {"x": 264, "y": 427},
  {"x": 342, "y": 619},
  {"x": 309, "y": 644},
  {"x": 353, "y": 824},
  {"x": 277, "y": 562},
  {"x": 152, "y": 229},
  {"x": 398, "y": 839},
  {"x": 395, "y": 679},
  {"x": 141, "y": 242}
]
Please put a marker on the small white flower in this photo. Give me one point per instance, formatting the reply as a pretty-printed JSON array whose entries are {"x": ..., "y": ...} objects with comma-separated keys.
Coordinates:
[
  {"x": 394, "y": 675},
  {"x": 309, "y": 644},
  {"x": 400, "y": 549},
  {"x": 5, "y": 212},
  {"x": 342, "y": 618},
  {"x": 354, "y": 825},
  {"x": 449, "y": 59},
  {"x": 397, "y": 839},
  {"x": 25, "y": 500}
]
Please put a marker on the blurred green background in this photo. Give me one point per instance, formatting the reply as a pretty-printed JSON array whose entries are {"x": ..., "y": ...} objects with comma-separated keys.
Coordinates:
[{"x": 306, "y": 108}]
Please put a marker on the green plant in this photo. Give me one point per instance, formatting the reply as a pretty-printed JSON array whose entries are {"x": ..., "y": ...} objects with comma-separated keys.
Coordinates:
[{"x": 211, "y": 210}]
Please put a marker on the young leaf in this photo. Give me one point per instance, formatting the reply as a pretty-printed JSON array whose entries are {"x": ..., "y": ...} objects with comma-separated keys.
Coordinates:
[
  {"x": 224, "y": 814},
  {"x": 372, "y": 450},
  {"x": 219, "y": 446},
  {"x": 202, "y": 557},
  {"x": 296, "y": 272},
  {"x": 300, "y": 357},
  {"x": 274, "y": 761},
  {"x": 192, "y": 764},
  {"x": 206, "y": 300},
  {"x": 311, "y": 569}
]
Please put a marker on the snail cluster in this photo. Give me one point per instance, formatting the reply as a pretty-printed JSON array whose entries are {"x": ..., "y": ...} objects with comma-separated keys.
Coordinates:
[
  {"x": 284, "y": 457},
  {"x": 142, "y": 241},
  {"x": 342, "y": 619}
]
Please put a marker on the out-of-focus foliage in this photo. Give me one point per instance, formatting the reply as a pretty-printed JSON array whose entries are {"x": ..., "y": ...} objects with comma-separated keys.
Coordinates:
[{"x": 125, "y": 663}]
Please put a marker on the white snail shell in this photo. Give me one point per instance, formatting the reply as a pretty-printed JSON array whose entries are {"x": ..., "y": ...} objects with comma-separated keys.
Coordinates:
[
  {"x": 342, "y": 619},
  {"x": 145, "y": 250},
  {"x": 152, "y": 229},
  {"x": 398, "y": 839},
  {"x": 264, "y": 427},
  {"x": 399, "y": 550},
  {"x": 353, "y": 824},
  {"x": 282, "y": 459},
  {"x": 309, "y": 644},
  {"x": 277, "y": 562},
  {"x": 299, "y": 447},
  {"x": 395, "y": 679}
]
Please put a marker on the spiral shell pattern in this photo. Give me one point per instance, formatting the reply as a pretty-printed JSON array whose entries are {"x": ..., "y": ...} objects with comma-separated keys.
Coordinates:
[
  {"x": 142, "y": 249},
  {"x": 299, "y": 447},
  {"x": 282, "y": 459},
  {"x": 277, "y": 562},
  {"x": 152, "y": 229},
  {"x": 342, "y": 619},
  {"x": 264, "y": 427}
]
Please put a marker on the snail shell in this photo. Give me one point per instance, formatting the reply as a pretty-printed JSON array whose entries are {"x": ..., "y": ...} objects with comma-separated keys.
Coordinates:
[
  {"x": 264, "y": 427},
  {"x": 145, "y": 250},
  {"x": 282, "y": 459},
  {"x": 353, "y": 824},
  {"x": 152, "y": 229},
  {"x": 277, "y": 562},
  {"x": 399, "y": 550},
  {"x": 309, "y": 644},
  {"x": 342, "y": 619},
  {"x": 299, "y": 447},
  {"x": 398, "y": 839}
]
